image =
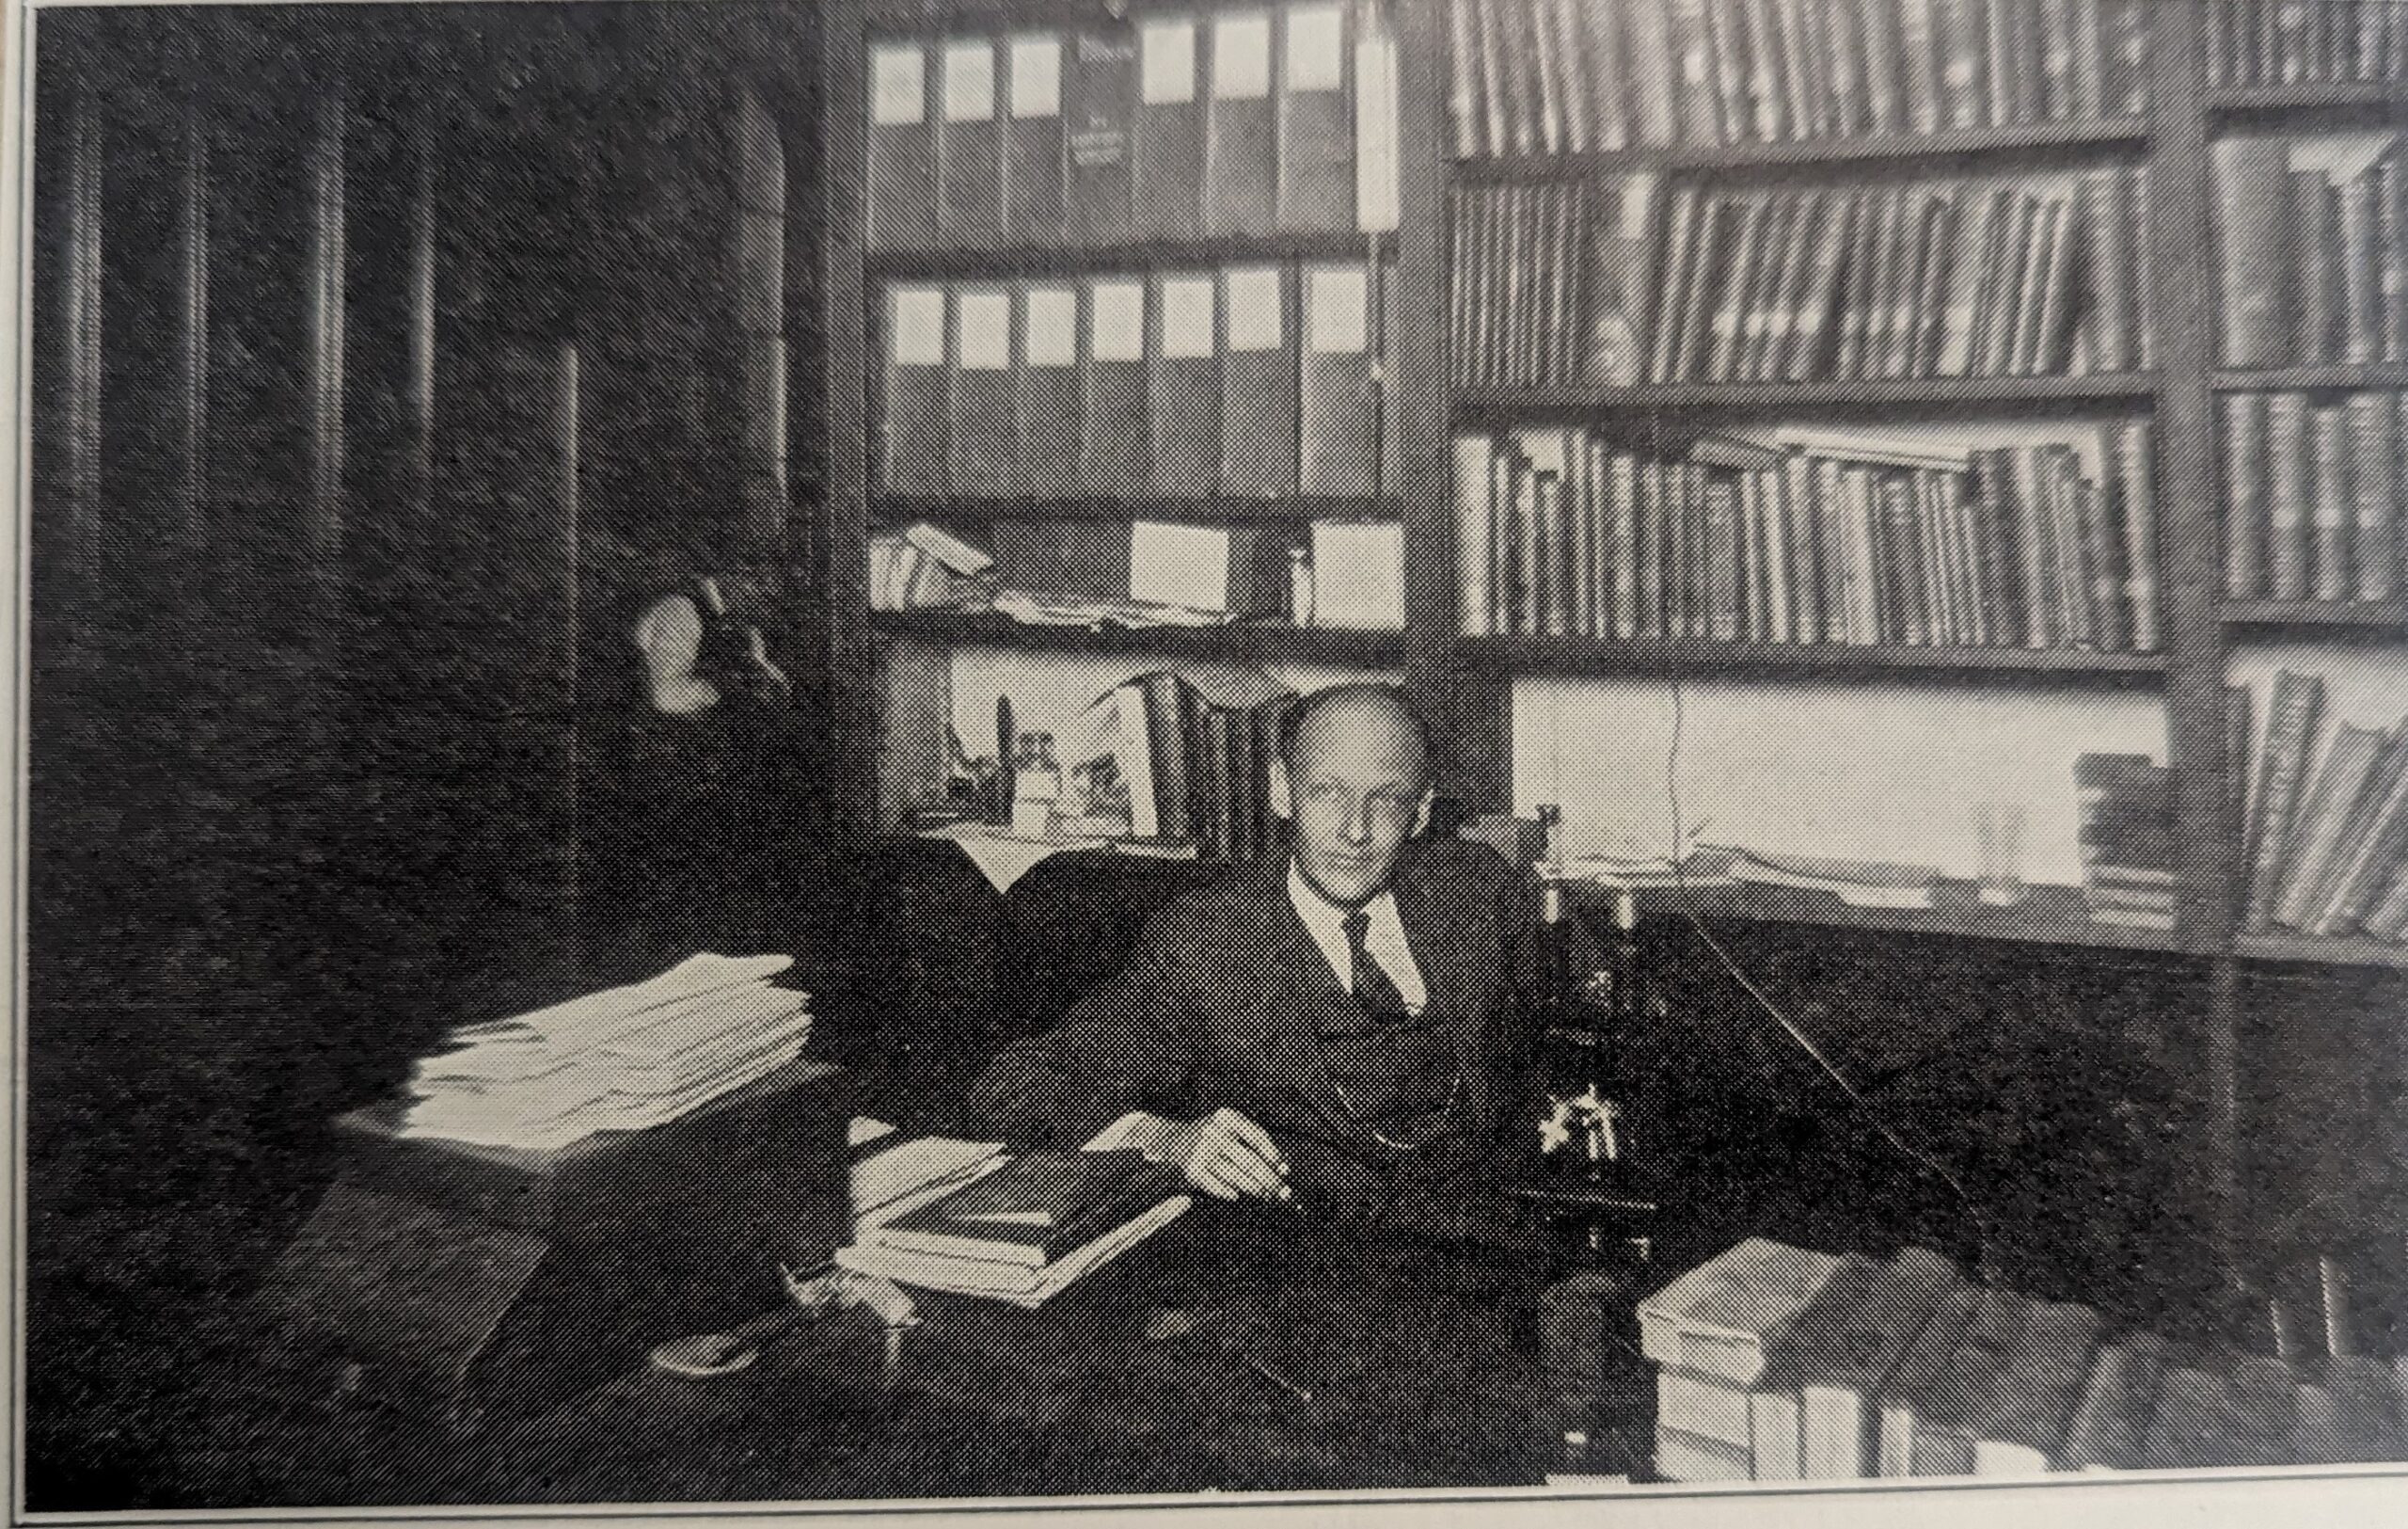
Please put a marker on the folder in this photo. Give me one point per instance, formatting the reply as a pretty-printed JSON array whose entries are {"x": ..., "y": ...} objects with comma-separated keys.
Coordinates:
[
  {"x": 978, "y": 453},
  {"x": 1045, "y": 391},
  {"x": 1316, "y": 120},
  {"x": 1033, "y": 143},
  {"x": 1183, "y": 386},
  {"x": 1258, "y": 384},
  {"x": 1171, "y": 131},
  {"x": 1112, "y": 404},
  {"x": 1338, "y": 397},
  {"x": 913, "y": 451},
  {"x": 1377, "y": 125},
  {"x": 1098, "y": 106},
  {"x": 970, "y": 178},
  {"x": 1240, "y": 166},
  {"x": 902, "y": 149}
]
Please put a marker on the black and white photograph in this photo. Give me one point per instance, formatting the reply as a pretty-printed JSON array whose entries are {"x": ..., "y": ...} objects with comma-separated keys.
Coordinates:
[{"x": 1565, "y": 761}]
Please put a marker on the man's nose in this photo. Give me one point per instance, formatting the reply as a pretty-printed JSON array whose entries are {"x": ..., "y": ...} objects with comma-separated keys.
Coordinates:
[{"x": 1358, "y": 823}]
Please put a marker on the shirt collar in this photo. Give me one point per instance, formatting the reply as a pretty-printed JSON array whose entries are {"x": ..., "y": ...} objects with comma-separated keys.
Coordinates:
[{"x": 1326, "y": 918}]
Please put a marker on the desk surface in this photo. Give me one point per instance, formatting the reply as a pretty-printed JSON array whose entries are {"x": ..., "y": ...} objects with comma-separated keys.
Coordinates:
[{"x": 1421, "y": 1365}]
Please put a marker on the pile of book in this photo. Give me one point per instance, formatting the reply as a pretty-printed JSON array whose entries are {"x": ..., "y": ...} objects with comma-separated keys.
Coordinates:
[
  {"x": 2312, "y": 495},
  {"x": 1805, "y": 534},
  {"x": 1023, "y": 1231},
  {"x": 1572, "y": 76},
  {"x": 2315, "y": 259},
  {"x": 2126, "y": 804},
  {"x": 1256, "y": 381},
  {"x": 627, "y": 1059},
  {"x": 923, "y": 567},
  {"x": 1784, "y": 1363},
  {"x": 2327, "y": 831},
  {"x": 2298, "y": 42},
  {"x": 1157, "y": 759},
  {"x": 1171, "y": 128}
]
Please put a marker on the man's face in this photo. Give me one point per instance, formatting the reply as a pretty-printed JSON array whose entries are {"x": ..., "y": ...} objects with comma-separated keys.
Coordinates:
[{"x": 1356, "y": 792}]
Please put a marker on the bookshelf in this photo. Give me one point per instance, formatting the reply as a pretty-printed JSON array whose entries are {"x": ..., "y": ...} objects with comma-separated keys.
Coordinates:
[{"x": 2164, "y": 118}]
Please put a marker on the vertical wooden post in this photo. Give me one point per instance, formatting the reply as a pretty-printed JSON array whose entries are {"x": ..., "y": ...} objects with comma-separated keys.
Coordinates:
[{"x": 853, "y": 717}]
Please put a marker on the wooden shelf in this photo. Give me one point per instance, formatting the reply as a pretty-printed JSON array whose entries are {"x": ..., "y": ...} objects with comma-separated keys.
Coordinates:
[
  {"x": 896, "y": 509},
  {"x": 1523, "y": 403},
  {"x": 2309, "y": 379},
  {"x": 1238, "y": 643},
  {"x": 1826, "y": 661},
  {"x": 1984, "y": 142},
  {"x": 1070, "y": 259},
  {"x": 2324, "y": 951},
  {"x": 2309, "y": 97},
  {"x": 2048, "y": 914},
  {"x": 2376, "y": 619}
]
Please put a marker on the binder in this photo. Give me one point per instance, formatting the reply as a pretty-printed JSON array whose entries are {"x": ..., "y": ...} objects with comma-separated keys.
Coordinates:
[
  {"x": 970, "y": 178},
  {"x": 978, "y": 451},
  {"x": 1240, "y": 166},
  {"x": 902, "y": 149},
  {"x": 1033, "y": 143},
  {"x": 1258, "y": 384},
  {"x": 1170, "y": 131},
  {"x": 1338, "y": 447},
  {"x": 1045, "y": 391},
  {"x": 1183, "y": 386},
  {"x": 1112, "y": 404},
  {"x": 913, "y": 456},
  {"x": 1376, "y": 124},
  {"x": 1316, "y": 130},
  {"x": 1100, "y": 103}
]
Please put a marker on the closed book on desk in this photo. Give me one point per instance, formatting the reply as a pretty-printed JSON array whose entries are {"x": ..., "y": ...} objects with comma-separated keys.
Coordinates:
[
  {"x": 1773, "y": 1410},
  {"x": 1098, "y": 118},
  {"x": 970, "y": 175},
  {"x": 1018, "y": 1283},
  {"x": 2346, "y": 1415},
  {"x": 2116, "y": 1402},
  {"x": 912, "y": 448},
  {"x": 1039, "y": 1208},
  {"x": 1112, "y": 454},
  {"x": 1045, "y": 391},
  {"x": 1034, "y": 142},
  {"x": 978, "y": 448},
  {"x": 1853, "y": 1353},
  {"x": 1258, "y": 384},
  {"x": 1183, "y": 386},
  {"x": 2021, "y": 1429},
  {"x": 1241, "y": 171},
  {"x": 1316, "y": 130},
  {"x": 1170, "y": 129},
  {"x": 1947, "y": 1411},
  {"x": 1921, "y": 1370},
  {"x": 902, "y": 149},
  {"x": 1338, "y": 399},
  {"x": 1717, "y": 1318}
]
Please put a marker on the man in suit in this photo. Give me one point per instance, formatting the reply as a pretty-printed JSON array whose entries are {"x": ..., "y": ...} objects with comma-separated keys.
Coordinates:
[{"x": 1333, "y": 1033}]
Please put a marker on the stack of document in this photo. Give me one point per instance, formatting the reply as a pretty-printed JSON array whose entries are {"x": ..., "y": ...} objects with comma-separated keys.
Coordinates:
[{"x": 627, "y": 1059}]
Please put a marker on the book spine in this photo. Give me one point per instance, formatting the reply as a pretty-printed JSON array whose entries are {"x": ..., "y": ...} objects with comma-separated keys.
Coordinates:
[
  {"x": 1258, "y": 382},
  {"x": 970, "y": 178},
  {"x": 902, "y": 171},
  {"x": 1475, "y": 533},
  {"x": 1340, "y": 401},
  {"x": 2291, "y": 730},
  {"x": 2375, "y": 489},
  {"x": 1035, "y": 145},
  {"x": 1240, "y": 165},
  {"x": 2253, "y": 208},
  {"x": 912, "y": 443},
  {"x": 2329, "y": 542},
  {"x": 979, "y": 396},
  {"x": 1114, "y": 449},
  {"x": 2246, "y": 525},
  {"x": 2289, "y": 496},
  {"x": 1316, "y": 130},
  {"x": 1099, "y": 111},
  {"x": 1183, "y": 386},
  {"x": 1168, "y": 152}
]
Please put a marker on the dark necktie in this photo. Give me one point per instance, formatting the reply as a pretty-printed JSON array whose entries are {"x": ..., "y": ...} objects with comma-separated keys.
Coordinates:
[{"x": 1373, "y": 989}]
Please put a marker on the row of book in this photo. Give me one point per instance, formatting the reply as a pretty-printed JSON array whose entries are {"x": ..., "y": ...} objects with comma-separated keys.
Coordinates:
[
  {"x": 1170, "y": 128},
  {"x": 1785, "y": 1363},
  {"x": 2315, "y": 248},
  {"x": 1534, "y": 299},
  {"x": 1803, "y": 535},
  {"x": 1577, "y": 77},
  {"x": 1256, "y": 381},
  {"x": 2125, "y": 805},
  {"x": 1156, "y": 758},
  {"x": 2312, "y": 495},
  {"x": 2303, "y": 42},
  {"x": 2326, "y": 832}
]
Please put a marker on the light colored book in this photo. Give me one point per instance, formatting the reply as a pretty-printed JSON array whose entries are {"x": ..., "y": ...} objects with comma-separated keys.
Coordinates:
[{"x": 1717, "y": 1318}]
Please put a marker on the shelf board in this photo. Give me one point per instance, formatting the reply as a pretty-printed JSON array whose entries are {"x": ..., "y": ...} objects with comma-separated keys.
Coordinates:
[
  {"x": 1514, "y": 403},
  {"x": 2048, "y": 914},
  {"x": 1695, "y": 655},
  {"x": 1957, "y": 143},
  {"x": 1245, "y": 643},
  {"x": 2309, "y": 379},
  {"x": 2322, "y": 96},
  {"x": 903, "y": 509},
  {"x": 2376, "y": 617},
  {"x": 1064, "y": 258},
  {"x": 2324, "y": 950}
]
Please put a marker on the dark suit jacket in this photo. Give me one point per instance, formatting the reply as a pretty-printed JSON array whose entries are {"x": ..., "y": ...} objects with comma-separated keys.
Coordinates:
[{"x": 1223, "y": 1004}]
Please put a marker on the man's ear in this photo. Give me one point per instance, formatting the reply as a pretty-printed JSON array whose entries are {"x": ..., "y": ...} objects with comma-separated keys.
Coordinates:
[
  {"x": 1283, "y": 800},
  {"x": 1422, "y": 813}
]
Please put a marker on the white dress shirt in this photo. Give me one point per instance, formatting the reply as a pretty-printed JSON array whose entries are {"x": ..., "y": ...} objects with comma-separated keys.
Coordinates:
[{"x": 1383, "y": 938}]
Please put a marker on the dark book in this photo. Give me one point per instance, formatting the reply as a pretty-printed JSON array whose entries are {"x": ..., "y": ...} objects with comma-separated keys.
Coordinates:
[
  {"x": 1339, "y": 398},
  {"x": 1171, "y": 725},
  {"x": 1683, "y": 216},
  {"x": 902, "y": 173},
  {"x": 1806, "y": 349},
  {"x": 970, "y": 175},
  {"x": 2020, "y": 1429},
  {"x": 2253, "y": 219},
  {"x": 1035, "y": 145},
  {"x": 2291, "y": 720},
  {"x": 1183, "y": 386},
  {"x": 2110, "y": 1415},
  {"x": 1316, "y": 132},
  {"x": 2362, "y": 264},
  {"x": 2326, "y": 815},
  {"x": 978, "y": 403},
  {"x": 1258, "y": 396},
  {"x": 2194, "y": 1427},
  {"x": 2370, "y": 848},
  {"x": 1045, "y": 392},
  {"x": 1037, "y": 1209},
  {"x": 2375, "y": 489},
  {"x": 1215, "y": 818},
  {"x": 2316, "y": 236},
  {"x": 2132, "y": 454},
  {"x": 1169, "y": 153},
  {"x": 1113, "y": 443},
  {"x": 915, "y": 398},
  {"x": 2246, "y": 522},
  {"x": 1915, "y": 1386},
  {"x": 1100, "y": 106},
  {"x": 1241, "y": 167},
  {"x": 2290, "y": 498},
  {"x": 1950, "y": 1416},
  {"x": 2335, "y": 510},
  {"x": 2391, "y": 175}
]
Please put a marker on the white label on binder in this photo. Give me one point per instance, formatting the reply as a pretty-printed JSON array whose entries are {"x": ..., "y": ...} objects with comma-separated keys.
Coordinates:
[
  {"x": 1316, "y": 48},
  {"x": 899, "y": 84},
  {"x": 969, "y": 81},
  {"x": 1117, "y": 322},
  {"x": 1254, "y": 307},
  {"x": 1241, "y": 54},
  {"x": 985, "y": 320},
  {"x": 1053, "y": 335},
  {"x": 1036, "y": 76},
  {"x": 1338, "y": 307},
  {"x": 1166, "y": 62},
  {"x": 917, "y": 331},
  {"x": 1187, "y": 317}
]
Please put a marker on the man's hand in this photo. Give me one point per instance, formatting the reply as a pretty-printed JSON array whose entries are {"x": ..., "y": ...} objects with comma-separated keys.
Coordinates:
[{"x": 1224, "y": 1155}]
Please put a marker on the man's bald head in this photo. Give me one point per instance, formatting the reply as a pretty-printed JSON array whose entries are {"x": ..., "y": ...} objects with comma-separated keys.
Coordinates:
[{"x": 1349, "y": 710}]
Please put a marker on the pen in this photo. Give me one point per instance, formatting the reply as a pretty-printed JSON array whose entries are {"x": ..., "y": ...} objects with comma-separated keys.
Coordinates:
[{"x": 1276, "y": 1378}]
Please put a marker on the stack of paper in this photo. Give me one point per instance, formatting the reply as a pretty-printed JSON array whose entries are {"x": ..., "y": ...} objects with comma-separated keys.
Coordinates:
[{"x": 625, "y": 1059}]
